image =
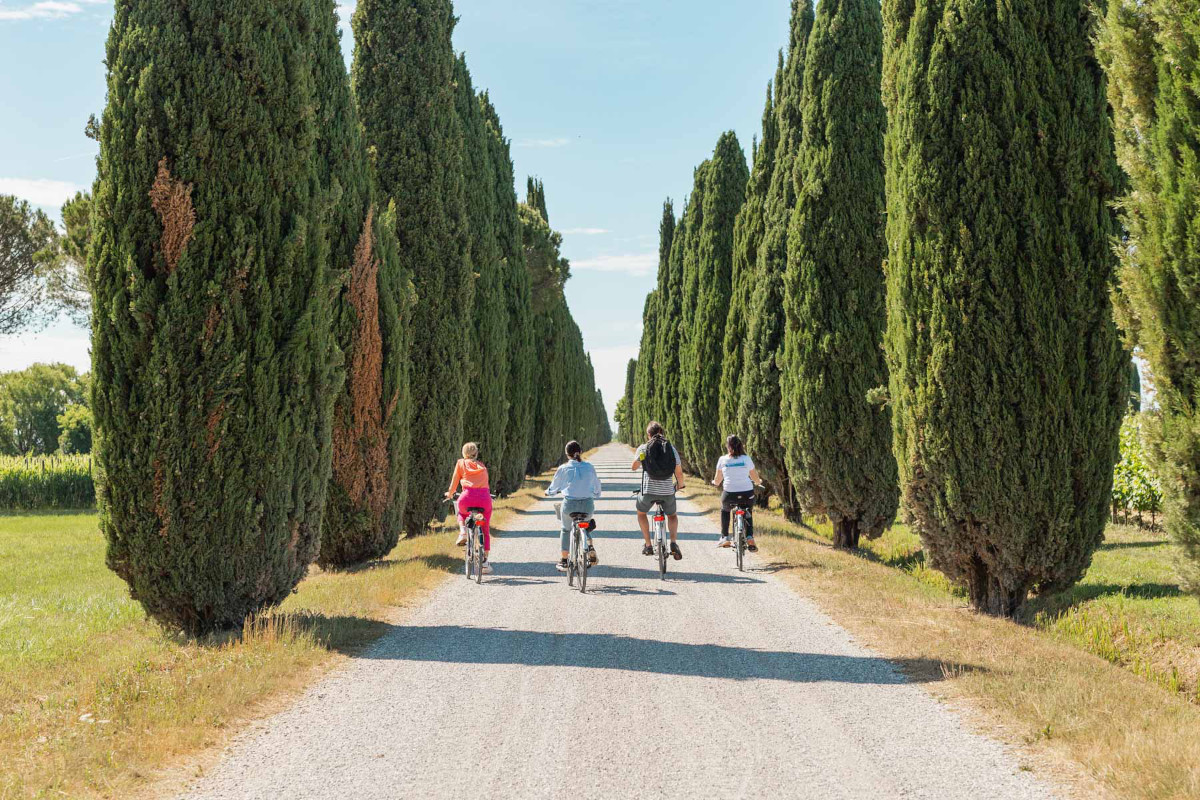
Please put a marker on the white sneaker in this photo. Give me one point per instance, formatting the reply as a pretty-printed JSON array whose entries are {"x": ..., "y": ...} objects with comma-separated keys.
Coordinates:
[
  {"x": 487, "y": 568},
  {"x": 724, "y": 542},
  {"x": 462, "y": 540}
]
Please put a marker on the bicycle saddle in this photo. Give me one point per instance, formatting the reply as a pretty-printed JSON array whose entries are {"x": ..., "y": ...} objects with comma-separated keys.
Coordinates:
[{"x": 476, "y": 511}]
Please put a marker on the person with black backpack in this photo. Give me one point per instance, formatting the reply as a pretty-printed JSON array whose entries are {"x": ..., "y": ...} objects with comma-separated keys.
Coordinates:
[{"x": 662, "y": 476}]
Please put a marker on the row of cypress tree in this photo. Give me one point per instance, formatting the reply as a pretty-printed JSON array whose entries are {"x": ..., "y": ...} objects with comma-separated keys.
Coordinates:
[
  {"x": 917, "y": 284},
  {"x": 310, "y": 287}
]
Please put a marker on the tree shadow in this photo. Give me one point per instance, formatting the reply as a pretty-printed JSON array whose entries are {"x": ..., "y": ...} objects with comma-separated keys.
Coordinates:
[
  {"x": 457, "y": 644},
  {"x": 1134, "y": 545},
  {"x": 537, "y": 569},
  {"x": 1055, "y": 605}
]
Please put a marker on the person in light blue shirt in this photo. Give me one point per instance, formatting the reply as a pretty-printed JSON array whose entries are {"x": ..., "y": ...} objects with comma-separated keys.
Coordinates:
[{"x": 580, "y": 486}]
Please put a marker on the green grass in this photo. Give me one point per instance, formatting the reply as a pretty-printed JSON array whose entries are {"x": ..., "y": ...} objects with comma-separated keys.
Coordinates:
[{"x": 95, "y": 698}]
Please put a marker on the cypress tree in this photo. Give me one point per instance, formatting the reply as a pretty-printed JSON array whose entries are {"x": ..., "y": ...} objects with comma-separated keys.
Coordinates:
[
  {"x": 761, "y": 400},
  {"x": 403, "y": 76},
  {"x": 486, "y": 412},
  {"x": 363, "y": 515},
  {"x": 748, "y": 233},
  {"x": 548, "y": 273},
  {"x": 1151, "y": 51},
  {"x": 521, "y": 355},
  {"x": 625, "y": 426},
  {"x": 837, "y": 443},
  {"x": 1007, "y": 373},
  {"x": 713, "y": 268},
  {"x": 535, "y": 197},
  {"x": 213, "y": 358},
  {"x": 646, "y": 382},
  {"x": 679, "y": 314}
]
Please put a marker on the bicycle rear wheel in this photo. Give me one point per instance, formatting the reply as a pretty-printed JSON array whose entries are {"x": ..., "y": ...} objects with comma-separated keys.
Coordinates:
[
  {"x": 572, "y": 557},
  {"x": 583, "y": 563},
  {"x": 469, "y": 555},
  {"x": 740, "y": 544},
  {"x": 662, "y": 555},
  {"x": 479, "y": 558}
]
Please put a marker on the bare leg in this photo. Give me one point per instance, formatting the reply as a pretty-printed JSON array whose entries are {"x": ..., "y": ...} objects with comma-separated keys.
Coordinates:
[
  {"x": 672, "y": 525},
  {"x": 644, "y": 522}
]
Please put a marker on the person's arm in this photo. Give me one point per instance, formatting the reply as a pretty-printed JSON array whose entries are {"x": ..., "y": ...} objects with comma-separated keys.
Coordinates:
[
  {"x": 556, "y": 485},
  {"x": 637, "y": 462},
  {"x": 755, "y": 477},
  {"x": 717, "y": 481},
  {"x": 454, "y": 481},
  {"x": 598, "y": 489},
  {"x": 678, "y": 474}
]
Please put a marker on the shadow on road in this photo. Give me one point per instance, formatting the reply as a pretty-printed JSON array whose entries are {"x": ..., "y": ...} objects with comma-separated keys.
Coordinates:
[
  {"x": 470, "y": 645},
  {"x": 538, "y": 569}
]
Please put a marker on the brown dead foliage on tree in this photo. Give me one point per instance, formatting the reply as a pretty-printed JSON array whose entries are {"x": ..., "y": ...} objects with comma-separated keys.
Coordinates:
[
  {"x": 360, "y": 454},
  {"x": 171, "y": 199}
]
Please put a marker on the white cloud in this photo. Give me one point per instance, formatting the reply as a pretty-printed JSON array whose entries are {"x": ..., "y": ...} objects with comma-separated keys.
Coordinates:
[
  {"x": 46, "y": 9},
  {"x": 586, "y": 231},
  {"x": 39, "y": 191},
  {"x": 637, "y": 264},
  {"x": 543, "y": 143},
  {"x": 61, "y": 342}
]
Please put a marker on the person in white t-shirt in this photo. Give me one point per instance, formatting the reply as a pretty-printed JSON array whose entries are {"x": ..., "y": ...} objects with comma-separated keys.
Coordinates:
[{"x": 737, "y": 477}]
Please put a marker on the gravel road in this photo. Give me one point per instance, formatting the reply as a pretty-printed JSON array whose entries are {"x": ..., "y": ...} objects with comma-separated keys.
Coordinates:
[{"x": 711, "y": 684}]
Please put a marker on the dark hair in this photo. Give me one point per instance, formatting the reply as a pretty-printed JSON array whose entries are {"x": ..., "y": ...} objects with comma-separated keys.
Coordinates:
[
  {"x": 574, "y": 450},
  {"x": 734, "y": 445},
  {"x": 654, "y": 429}
]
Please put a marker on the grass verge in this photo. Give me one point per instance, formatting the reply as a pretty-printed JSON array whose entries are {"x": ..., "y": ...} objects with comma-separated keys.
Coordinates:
[
  {"x": 1100, "y": 679},
  {"x": 96, "y": 700}
]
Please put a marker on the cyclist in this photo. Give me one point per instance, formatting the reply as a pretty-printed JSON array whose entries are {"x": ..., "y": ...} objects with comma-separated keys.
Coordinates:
[
  {"x": 662, "y": 476},
  {"x": 472, "y": 474},
  {"x": 578, "y": 482},
  {"x": 736, "y": 471}
]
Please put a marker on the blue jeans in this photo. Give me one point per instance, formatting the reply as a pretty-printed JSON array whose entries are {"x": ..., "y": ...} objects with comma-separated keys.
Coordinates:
[{"x": 570, "y": 507}]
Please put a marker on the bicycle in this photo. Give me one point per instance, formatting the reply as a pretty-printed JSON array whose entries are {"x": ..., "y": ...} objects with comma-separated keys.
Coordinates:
[
  {"x": 474, "y": 555},
  {"x": 660, "y": 540},
  {"x": 577, "y": 561},
  {"x": 739, "y": 535}
]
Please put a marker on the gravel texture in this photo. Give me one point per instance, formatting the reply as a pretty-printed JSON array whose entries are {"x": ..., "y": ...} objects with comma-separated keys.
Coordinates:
[{"x": 710, "y": 684}]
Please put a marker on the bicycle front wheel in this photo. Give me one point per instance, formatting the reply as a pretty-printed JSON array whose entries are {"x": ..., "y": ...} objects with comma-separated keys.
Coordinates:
[
  {"x": 469, "y": 556},
  {"x": 479, "y": 559},
  {"x": 662, "y": 555}
]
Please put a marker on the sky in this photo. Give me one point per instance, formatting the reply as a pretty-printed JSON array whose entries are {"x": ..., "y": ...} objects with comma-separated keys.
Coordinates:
[{"x": 612, "y": 103}]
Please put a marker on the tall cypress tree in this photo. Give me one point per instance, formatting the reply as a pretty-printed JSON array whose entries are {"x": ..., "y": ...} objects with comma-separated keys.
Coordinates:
[
  {"x": 837, "y": 443},
  {"x": 212, "y": 351},
  {"x": 485, "y": 419},
  {"x": 521, "y": 356},
  {"x": 680, "y": 313},
  {"x": 748, "y": 234},
  {"x": 645, "y": 385},
  {"x": 701, "y": 370},
  {"x": 1152, "y": 54},
  {"x": 403, "y": 77},
  {"x": 761, "y": 400},
  {"x": 363, "y": 516},
  {"x": 625, "y": 431},
  {"x": 1007, "y": 373}
]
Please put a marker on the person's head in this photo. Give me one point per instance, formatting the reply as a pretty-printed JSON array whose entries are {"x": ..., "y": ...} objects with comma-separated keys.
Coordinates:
[
  {"x": 734, "y": 446},
  {"x": 574, "y": 451},
  {"x": 654, "y": 429},
  {"x": 471, "y": 451}
]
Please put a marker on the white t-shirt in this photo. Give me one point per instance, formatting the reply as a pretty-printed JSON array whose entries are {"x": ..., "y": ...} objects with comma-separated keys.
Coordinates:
[{"x": 737, "y": 473}]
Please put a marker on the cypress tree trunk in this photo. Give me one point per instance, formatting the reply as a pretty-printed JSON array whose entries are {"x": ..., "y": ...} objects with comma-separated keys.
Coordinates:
[
  {"x": 837, "y": 443},
  {"x": 485, "y": 419},
  {"x": 761, "y": 400},
  {"x": 713, "y": 268},
  {"x": 748, "y": 232},
  {"x": 521, "y": 356},
  {"x": 363, "y": 515},
  {"x": 404, "y": 82},
  {"x": 625, "y": 433},
  {"x": 211, "y": 338},
  {"x": 1007, "y": 375},
  {"x": 1152, "y": 54}
]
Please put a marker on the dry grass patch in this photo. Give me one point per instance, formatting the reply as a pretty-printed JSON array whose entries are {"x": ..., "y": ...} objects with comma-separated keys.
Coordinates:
[
  {"x": 96, "y": 700},
  {"x": 1046, "y": 682}
]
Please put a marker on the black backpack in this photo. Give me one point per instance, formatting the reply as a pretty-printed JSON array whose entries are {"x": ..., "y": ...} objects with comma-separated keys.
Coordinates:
[{"x": 660, "y": 459}]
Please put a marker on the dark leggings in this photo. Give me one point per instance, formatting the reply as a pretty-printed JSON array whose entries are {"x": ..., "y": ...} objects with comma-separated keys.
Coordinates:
[{"x": 731, "y": 500}]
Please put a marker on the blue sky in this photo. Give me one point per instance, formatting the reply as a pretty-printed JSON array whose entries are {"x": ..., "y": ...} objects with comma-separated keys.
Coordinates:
[{"x": 611, "y": 102}]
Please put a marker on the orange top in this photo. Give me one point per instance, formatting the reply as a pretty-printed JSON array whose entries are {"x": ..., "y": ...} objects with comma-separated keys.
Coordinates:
[{"x": 472, "y": 474}]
